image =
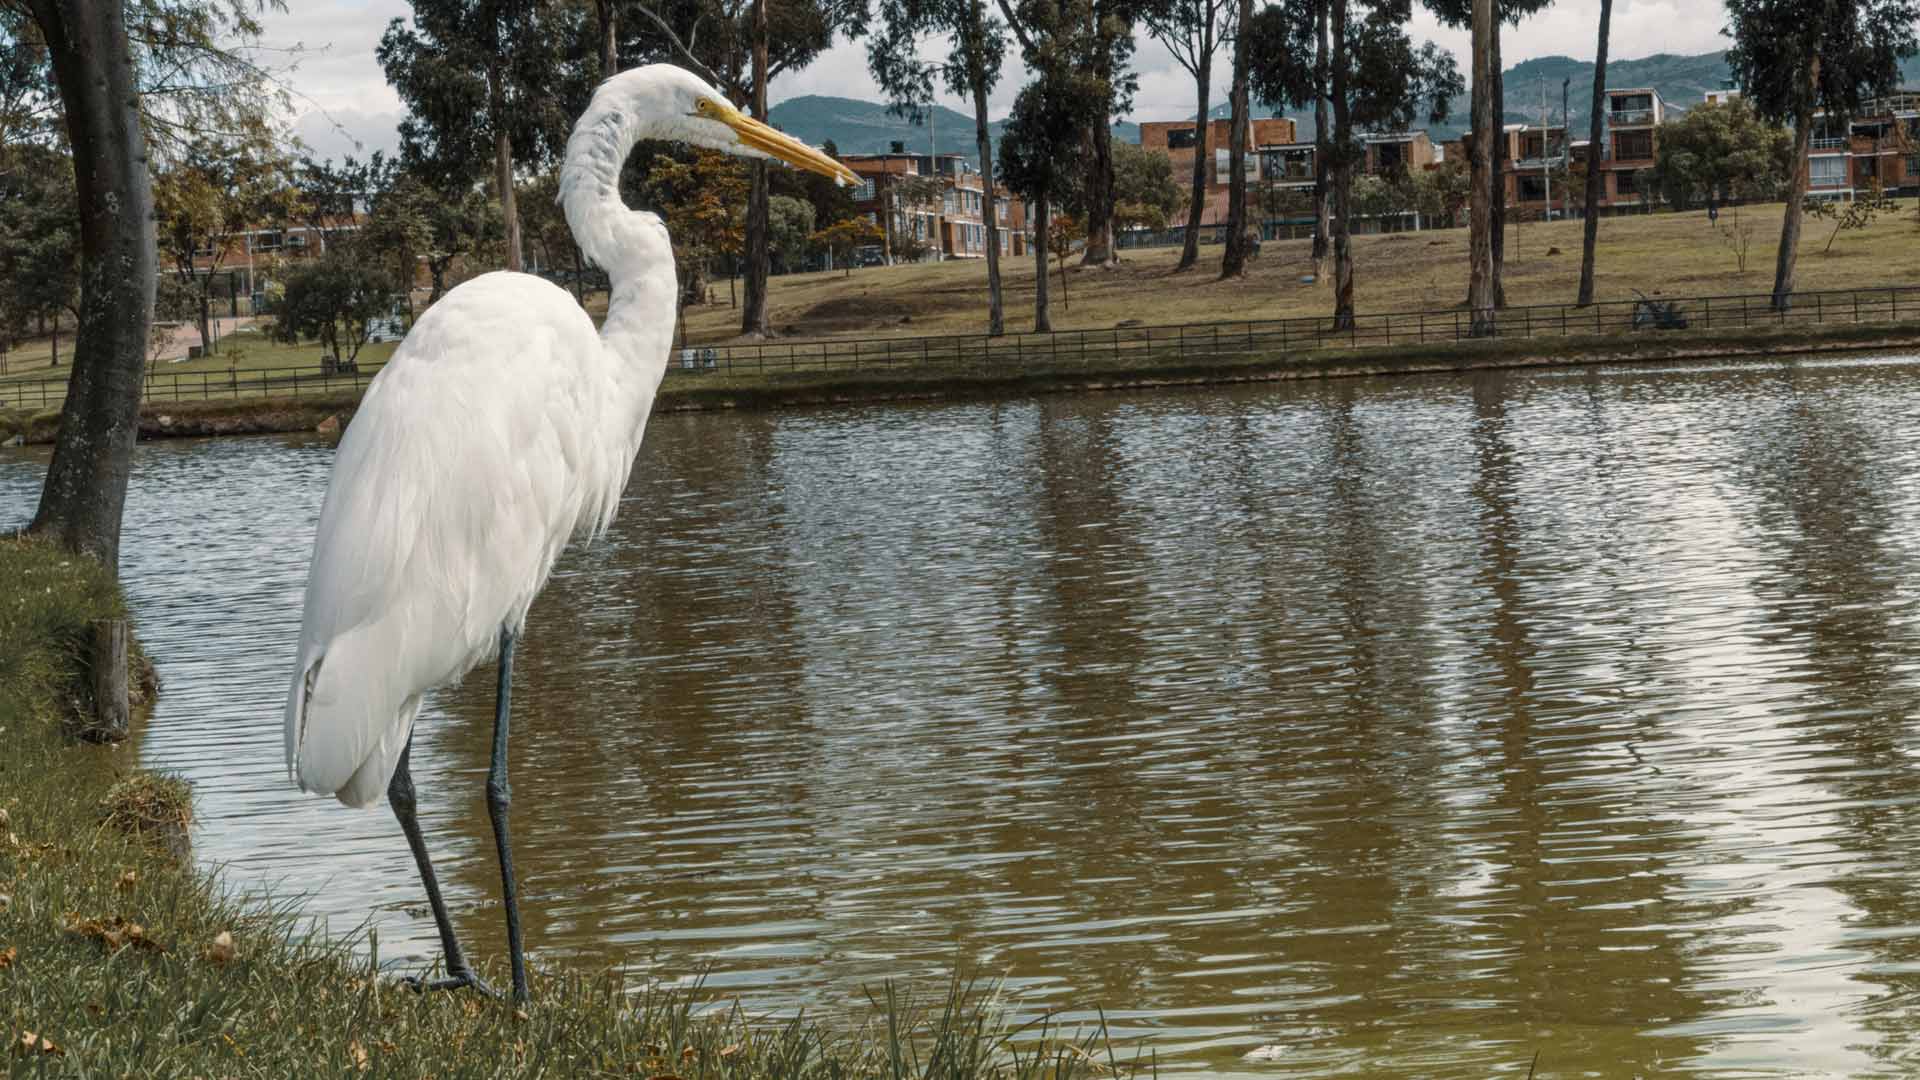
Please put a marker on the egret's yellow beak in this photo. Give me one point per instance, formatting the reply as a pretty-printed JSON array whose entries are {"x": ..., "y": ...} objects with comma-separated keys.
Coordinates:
[{"x": 785, "y": 147}]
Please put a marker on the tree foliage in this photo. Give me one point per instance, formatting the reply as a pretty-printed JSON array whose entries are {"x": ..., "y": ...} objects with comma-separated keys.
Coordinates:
[
  {"x": 333, "y": 299},
  {"x": 1722, "y": 152},
  {"x": 789, "y": 222},
  {"x": 846, "y": 236},
  {"x": 1145, "y": 194},
  {"x": 39, "y": 240},
  {"x": 702, "y": 199},
  {"x": 214, "y": 189}
]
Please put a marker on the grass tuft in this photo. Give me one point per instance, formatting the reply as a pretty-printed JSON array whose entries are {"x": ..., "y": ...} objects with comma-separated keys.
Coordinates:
[{"x": 119, "y": 959}]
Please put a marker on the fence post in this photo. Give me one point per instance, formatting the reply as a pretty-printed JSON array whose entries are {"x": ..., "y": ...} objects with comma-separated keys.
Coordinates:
[
  {"x": 1893, "y": 297},
  {"x": 1819, "y": 308}
]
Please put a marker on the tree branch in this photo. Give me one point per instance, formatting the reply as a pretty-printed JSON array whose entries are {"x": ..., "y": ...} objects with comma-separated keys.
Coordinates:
[{"x": 686, "y": 55}]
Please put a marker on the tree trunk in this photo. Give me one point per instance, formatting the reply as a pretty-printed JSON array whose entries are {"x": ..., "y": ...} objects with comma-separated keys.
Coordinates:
[
  {"x": 503, "y": 169},
  {"x": 1041, "y": 324},
  {"x": 996, "y": 319},
  {"x": 86, "y": 485},
  {"x": 1233, "y": 260},
  {"x": 753, "y": 314},
  {"x": 609, "y": 54},
  {"x": 1498, "y": 173},
  {"x": 1322, "y": 146},
  {"x": 1596, "y": 177},
  {"x": 1796, "y": 193},
  {"x": 1100, "y": 250},
  {"x": 1197, "y": 199},
  {"x": 207, "y": 344},
  {"x": 1342, "y": 175},
  {"x": 55, "y": 343},
  {"x": 1480, "y": 225}
]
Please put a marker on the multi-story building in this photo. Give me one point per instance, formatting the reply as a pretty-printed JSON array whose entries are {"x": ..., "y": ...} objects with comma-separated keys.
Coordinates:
[
  {"x": 1394, "y": 152},
  {"x": 1176, "y": 139},
  {"x": 1633, "y": 119},
  {"x": 953, "y": 224},
  {"x": 1537, "y": 181},
  {"x": 1882, "y": 144}
]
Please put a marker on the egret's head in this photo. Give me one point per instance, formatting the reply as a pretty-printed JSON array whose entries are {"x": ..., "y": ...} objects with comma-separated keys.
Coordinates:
[{"x": 704, "y": 118}]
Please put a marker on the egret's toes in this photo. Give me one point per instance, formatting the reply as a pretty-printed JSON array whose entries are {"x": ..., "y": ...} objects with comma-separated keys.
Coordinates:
[{"x": 457, "y": 981}]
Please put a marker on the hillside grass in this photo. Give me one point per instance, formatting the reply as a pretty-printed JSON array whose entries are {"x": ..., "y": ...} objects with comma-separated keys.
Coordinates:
[
  {"x": 1658, "y": 254},
  {"x": 118, "y": 959}
]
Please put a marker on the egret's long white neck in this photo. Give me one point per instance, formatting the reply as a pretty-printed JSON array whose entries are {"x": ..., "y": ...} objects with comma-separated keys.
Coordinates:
[{"x": 631, "y": 246}]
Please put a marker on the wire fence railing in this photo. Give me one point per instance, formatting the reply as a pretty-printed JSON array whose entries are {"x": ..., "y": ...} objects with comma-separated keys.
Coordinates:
[{"x": 1120, "y": 346}]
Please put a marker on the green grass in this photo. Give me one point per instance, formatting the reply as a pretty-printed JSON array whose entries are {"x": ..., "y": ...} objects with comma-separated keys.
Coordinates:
[{"x": 118, "y": 960}]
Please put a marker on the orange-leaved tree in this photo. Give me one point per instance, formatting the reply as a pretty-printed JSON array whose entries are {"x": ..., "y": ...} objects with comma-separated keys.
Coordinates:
[{"x": 846, "y": 236}]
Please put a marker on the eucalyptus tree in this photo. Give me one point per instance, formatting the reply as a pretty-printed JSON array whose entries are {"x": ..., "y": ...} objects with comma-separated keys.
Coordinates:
[
  {"x": 1596, "y": 177},
  {"x": 1192, "y": 31},
  {"x": 1042, "y": 154},
  {"x": 1795, "y": 58},
  {"x": 1233, "y": 257},
  {"x": 475, "y": 76},
  {"x": 1376, "y": 79},
  {"x": 978, "y": 41},
  {"x": 1459, "y": 13},
  {"x": 1096, "y": 37},
  {"x": 1480, "y": 231}
]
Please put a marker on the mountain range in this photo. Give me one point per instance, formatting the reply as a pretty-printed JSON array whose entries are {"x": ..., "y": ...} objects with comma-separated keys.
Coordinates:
[{"x": 1533, "y": 91}]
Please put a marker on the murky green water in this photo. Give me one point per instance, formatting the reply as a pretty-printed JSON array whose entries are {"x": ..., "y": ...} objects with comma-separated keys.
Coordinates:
[{"x": 1406, "y": 727}]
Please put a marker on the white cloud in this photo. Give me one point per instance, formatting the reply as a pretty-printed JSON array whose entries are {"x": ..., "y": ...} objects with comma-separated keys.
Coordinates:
[{"x": 344, "y": 97}]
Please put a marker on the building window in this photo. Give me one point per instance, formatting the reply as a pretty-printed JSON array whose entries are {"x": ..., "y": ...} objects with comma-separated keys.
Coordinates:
[
  {"x": 1533, "y": 187},
  {"x": 1623, "y": 183},
  {"x": 1830, "y": 171},
  {"x": 1180, "y": 139},
  {"x": 1913, "y": 165},
  {"x": 863, "y": 190},
  {"x": 1633, "y": 145}
]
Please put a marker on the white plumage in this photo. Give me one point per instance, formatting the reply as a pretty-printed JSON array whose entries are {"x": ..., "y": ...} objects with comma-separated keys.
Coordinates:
[{"x": 504, "y": 424}]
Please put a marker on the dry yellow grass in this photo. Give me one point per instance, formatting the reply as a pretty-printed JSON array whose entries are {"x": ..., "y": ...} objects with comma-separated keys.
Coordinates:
[{"x": 1670, "y": 254}]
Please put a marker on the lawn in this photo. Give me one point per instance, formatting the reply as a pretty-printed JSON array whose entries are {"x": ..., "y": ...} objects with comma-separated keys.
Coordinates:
[
  {"x": 242, "y": 350},
  {"x": 1670, "y": 254}
]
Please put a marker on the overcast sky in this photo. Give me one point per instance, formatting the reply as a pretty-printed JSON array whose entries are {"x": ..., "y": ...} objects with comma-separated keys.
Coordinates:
[{"x": 344, "y": 99}]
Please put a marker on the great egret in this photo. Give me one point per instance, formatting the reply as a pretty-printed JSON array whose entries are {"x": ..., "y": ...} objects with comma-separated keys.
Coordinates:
[{"x": 503, "y": 425}]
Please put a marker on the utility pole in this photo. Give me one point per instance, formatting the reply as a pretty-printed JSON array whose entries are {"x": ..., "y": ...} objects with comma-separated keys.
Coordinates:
[
  {"x": 1566, "y": 138},
  {"x": 1546, "y": 132}
]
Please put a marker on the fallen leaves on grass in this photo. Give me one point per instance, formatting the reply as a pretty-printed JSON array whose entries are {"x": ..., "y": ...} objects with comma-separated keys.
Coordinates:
[
  {"x": 359, "y": 1055},
  {"x": 128, "y": 879},
  {"x": 113, "y": 933},
  {"x": 31, "y": 1043},
  {"x": 7, "y": 956},
  {"x": 222, "y": 950}
]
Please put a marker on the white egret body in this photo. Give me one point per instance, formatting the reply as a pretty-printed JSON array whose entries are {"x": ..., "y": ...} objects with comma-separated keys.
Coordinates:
[{"x": 504, "y": 424}]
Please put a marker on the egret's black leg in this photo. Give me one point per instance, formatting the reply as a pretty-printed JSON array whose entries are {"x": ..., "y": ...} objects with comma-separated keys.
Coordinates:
[
  {"x": 499, "y": 798},
  {"x": 400, "y": 796}
]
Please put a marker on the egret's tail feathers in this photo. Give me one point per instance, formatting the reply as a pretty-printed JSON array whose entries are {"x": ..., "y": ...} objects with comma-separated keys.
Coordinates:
[{"x": 348, "y": 719}]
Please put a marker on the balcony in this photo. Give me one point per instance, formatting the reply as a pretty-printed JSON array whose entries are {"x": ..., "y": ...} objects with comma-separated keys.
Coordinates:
[
  {"x": 1828, "y": 144},
  {"x": 1630, "y": 117}
]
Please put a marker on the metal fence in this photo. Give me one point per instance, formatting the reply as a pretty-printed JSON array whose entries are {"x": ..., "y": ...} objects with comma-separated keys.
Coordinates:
[
  {"x": 1119, "y": 346},
  {"x": 164, "y": 386},
  {"x": 1277, "y": 337}
]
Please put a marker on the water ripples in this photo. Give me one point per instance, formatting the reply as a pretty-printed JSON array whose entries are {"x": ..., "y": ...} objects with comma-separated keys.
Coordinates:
[{"x": 1398, "y": 726}]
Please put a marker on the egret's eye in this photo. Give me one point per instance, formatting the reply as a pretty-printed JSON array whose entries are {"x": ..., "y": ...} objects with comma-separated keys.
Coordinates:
[{"x": 703, "y": 106}]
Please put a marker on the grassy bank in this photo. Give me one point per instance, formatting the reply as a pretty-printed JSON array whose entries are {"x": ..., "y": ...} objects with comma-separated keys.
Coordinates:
[
  {"x": 118, "y": 960},
  {"x": 1671, "y": 254},
  {"x": 775, "y": 389}
]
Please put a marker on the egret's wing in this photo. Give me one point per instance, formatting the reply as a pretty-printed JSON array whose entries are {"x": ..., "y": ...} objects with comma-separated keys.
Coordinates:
[{"x": 454, "y": 488}]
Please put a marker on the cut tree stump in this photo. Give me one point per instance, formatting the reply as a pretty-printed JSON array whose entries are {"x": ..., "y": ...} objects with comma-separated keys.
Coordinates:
[{"x": 109, "y": 666}]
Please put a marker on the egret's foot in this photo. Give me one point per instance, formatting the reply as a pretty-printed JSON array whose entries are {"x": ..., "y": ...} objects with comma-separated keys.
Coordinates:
[{"x": 457, "y": 981}]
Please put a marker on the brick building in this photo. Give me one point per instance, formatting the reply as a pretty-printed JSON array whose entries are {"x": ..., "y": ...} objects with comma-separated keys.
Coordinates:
[{"x": 954, "y": 225}]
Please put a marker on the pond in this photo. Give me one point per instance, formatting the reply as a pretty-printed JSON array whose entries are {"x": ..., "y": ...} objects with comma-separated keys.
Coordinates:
[{"x": 1403, "y": 727}]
